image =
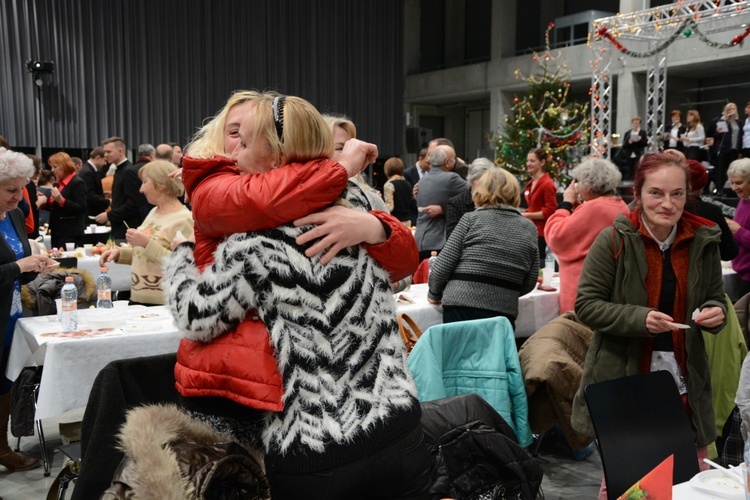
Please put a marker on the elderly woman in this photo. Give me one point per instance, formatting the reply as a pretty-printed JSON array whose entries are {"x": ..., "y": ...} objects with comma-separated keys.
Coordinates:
[
  {"x": 150, "y": 242},
  {"x": 67, "y": 202},
  {"x": 463, "y": 203},
  {"x": 590, "y": 203},
  {"x": 654, "y": 268},
  {"x": 17, "y": 266},
  {"x": 541, "y": 196},
  {"x": 739, "y": 179},
  {"x": 481, "y": 271}
]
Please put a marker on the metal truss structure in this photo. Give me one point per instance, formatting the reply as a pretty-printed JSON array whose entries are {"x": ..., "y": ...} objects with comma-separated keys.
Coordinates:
[{"x": 655, "y": 29}]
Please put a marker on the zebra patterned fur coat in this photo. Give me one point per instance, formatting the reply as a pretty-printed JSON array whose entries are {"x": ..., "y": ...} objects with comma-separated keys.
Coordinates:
[{"x": 347, "y": 391}]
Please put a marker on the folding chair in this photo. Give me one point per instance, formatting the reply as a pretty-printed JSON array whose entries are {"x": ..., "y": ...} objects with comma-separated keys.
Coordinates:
[{"x": 639, "y": 421}]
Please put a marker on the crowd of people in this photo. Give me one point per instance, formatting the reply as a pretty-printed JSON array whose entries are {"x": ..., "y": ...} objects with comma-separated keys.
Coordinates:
[{"x": 286, "y": 259}]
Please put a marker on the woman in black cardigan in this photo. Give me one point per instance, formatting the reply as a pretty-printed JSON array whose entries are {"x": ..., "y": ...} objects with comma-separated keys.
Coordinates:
[
  {"x": 67, "y": 202},
  {"x": 16, "y": 266}
]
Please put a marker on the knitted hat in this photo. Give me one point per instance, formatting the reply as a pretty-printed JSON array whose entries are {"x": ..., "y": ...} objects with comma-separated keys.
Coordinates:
[{"x": 698, "y": 175}]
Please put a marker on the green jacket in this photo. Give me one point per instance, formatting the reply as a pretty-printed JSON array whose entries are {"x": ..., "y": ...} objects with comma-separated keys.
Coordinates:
[{"x": 611, "y": 301}]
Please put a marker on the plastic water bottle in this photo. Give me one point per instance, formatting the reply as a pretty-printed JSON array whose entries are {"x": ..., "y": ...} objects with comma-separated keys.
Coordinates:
[
  {"x": 69, "y": 317},
  {"x": 104, "y": 289},
  {"x": 432, "y": 260},
  {"x": 549, "y": 260},
  {"x": 747, "y": 469}
]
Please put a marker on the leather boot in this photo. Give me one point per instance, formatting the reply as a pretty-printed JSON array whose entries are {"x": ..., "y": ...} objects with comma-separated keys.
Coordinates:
[{"x": 8, "y": 458}]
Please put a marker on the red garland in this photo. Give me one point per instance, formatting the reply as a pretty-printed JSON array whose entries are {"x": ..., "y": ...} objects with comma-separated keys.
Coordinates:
[
  {"x": 606, "y": 34},
  {"x": 738, "y": 39}
]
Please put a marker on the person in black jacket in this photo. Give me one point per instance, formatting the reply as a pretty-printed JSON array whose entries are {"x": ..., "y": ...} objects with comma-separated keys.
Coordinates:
[
  {"x": 674, "y": 131},
  {"x": 89, "y": 173},
  {"x": 126, "y": 196},
  {"x": 634, "y": 142},
  {"x": 397, "y": 191},
  {"x": 695, "y": 205},
  {"x": 17, "y": 266},
  {"x": 67, "y": 202}
]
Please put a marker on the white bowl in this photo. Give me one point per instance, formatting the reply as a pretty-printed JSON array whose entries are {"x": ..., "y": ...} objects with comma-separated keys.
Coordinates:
[{"x": 102, "y": 318}]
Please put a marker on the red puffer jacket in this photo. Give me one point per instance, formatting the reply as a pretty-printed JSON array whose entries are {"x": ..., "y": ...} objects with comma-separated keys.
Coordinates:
[{"x": 240, "y": 365}]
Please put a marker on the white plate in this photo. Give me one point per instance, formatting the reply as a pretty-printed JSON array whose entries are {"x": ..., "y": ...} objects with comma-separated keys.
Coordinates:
[
  {"x": 149, "y": 316},
  {"x": 717, "y": 483},
  {"x": 143, "y": 328}
]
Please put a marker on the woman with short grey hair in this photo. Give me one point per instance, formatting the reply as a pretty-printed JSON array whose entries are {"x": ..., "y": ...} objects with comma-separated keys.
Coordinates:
[
  {"x": 17, "y": 266},
  {"x": 739, "y": 178},
  {"x": 462, "y": 203},
  {"x": 590, "y": 203}
]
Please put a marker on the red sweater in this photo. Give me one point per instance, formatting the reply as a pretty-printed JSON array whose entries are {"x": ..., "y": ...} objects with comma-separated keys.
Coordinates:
[
  {"x": 543, "y": 198},
  {"x": 240, "y": 365},
  {"x": 570, "y": 236}
]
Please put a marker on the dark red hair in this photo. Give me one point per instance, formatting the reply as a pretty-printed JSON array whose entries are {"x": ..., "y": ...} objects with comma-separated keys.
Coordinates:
[{"x": 654, "y": 161}]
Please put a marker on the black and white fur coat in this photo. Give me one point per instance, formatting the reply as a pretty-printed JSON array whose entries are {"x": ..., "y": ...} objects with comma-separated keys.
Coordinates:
[{"x": 333, "y": 328}]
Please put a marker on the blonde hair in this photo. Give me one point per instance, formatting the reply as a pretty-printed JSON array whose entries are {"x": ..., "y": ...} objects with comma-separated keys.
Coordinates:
[
  {"x": 158, "y": 171},
  {"x": 343, "y": 122},
  {"x": 697, "y": 115},
  {"x": 497, "y": 187},
  {"x": 306, "y": 135}
]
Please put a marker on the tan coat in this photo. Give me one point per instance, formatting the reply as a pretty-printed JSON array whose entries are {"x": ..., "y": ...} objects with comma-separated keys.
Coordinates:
[{"x": 552, "y": 366}]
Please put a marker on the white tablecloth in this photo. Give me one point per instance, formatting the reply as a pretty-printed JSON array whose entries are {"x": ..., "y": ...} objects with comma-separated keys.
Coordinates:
[
  {"x": 535, "y": 309},
  {"x": 120, "y": 273},
  {"x": 71, "y": 365}
]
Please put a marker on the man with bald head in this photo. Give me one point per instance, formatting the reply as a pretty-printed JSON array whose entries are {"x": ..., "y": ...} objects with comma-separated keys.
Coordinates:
[
  {"x": 164, "y": 152},
  {"x": 439, "y": 185}
]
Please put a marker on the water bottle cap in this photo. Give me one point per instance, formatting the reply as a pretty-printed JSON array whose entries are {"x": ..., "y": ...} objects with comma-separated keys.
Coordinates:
[
  {"x": 69, "y": 279},
  {"x": 433, "y": 253},
  {"x": 103, "y": 269}
]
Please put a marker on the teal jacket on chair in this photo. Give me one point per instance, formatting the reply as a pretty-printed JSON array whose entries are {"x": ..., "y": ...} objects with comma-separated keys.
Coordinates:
[{"x": 474, "y": 357}]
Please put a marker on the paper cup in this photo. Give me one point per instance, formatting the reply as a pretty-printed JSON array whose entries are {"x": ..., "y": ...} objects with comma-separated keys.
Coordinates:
[
  {"x": 547, "y": 277},
  {"x": 58, "y": 306},
  {"x": 87, "y": 248},
  {"x": 70, "y": 247},
  {"x": 120, "y": 305}
]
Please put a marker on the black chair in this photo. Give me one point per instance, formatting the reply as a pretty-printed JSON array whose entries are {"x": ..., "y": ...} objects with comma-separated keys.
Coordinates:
[{"x": 639, "y": 421}]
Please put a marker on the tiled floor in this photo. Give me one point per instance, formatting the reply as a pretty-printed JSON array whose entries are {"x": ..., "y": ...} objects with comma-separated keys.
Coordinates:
[{"x": 564, "y": 478}]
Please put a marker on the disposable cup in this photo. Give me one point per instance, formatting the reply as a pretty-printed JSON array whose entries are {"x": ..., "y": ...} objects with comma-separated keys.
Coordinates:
[
  {"x": 547, "y": 277},
  {"x": 58, "y": 306},
  {"x": 120, "y": 305},
  {"x": 70, "y": 247},
  {"x": 87, "y": 248}
]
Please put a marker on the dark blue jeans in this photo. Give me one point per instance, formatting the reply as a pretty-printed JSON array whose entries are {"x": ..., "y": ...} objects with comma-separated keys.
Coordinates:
[{"x": 399, "y": 471}]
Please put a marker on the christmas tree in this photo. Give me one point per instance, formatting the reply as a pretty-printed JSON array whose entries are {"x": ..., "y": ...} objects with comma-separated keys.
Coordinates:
[{"x": 543, "y": 118}]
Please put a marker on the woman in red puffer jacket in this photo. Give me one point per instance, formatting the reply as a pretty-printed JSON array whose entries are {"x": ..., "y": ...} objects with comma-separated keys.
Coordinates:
[{"x": 235, "y": 375}]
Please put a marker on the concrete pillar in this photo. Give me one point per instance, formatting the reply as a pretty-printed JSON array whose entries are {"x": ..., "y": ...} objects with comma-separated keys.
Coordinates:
[{"x": 633, "y": 5}]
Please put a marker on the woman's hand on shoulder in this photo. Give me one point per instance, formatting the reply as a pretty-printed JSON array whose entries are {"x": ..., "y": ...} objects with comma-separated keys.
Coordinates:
[
  {"x": 710, "y": 317},
  {"x": 339, "y": 227}
]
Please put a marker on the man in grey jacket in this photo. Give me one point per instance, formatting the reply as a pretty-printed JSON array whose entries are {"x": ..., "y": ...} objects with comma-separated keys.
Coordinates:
[{"x": 439, "y": 185}]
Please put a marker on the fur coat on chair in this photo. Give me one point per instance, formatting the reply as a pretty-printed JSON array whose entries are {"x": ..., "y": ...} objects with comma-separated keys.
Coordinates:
[{"x": 169, "y": 456}]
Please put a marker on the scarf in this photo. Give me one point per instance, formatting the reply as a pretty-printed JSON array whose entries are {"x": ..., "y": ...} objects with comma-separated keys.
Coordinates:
[{"x": 680, "y": 258}]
